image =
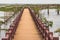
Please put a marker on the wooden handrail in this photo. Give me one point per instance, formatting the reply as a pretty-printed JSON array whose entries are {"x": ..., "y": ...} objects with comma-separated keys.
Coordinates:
[
  {"x": 42, "y": 28},
  {"x": 11, "y": 31}
]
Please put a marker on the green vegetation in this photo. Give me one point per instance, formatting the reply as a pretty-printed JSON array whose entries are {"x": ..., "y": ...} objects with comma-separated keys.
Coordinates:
[
  {"x": 17, "y": 7},
  {"x": 4, "y": 29},
  {"x": 58, "y": 30},
  {"x": 10, "y": 9},
  {"x": 50, "y": 23},
  {"x": 46, "y": 22},
  {"x": 36, "y": 9},
  {"x": 1, "y": 22}
]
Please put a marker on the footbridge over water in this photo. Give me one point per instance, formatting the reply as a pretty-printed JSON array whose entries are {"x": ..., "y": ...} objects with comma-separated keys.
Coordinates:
[{"x": 27, "y": 26}]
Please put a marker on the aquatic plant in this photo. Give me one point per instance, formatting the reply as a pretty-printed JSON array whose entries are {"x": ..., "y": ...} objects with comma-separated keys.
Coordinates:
[
  {"x": 46, "y": 22},
  {"x": 58, "y": 30},
  {"x": 50, "y": 23}
]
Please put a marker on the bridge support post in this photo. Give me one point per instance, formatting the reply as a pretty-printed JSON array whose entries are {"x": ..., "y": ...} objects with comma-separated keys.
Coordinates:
[
  {"x": 50, "y": 35},
  {"x": 38, "y": 15},
  {"x": 48, "y": 10},
  {"x": 57, "y": 11}
]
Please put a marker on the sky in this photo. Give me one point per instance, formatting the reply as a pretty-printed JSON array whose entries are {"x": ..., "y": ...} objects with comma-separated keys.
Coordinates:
[{"x": 30, "y": 1}]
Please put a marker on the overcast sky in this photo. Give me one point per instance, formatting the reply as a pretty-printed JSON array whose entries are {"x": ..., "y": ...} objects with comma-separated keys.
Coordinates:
[{"x": 30, "y": 1}]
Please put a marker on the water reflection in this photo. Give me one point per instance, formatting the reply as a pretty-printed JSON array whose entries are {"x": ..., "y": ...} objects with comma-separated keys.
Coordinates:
[
  {"x": 52, "y": 17},
  {"x": 2, "y": 34}
]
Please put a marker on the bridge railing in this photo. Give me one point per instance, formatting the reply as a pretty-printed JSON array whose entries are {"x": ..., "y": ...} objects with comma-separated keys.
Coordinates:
[
  {"x": 42, "y": 28},
  {"x": 11, "y": 31}
]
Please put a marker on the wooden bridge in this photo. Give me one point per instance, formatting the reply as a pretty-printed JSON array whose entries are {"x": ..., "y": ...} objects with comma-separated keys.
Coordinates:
[{"x": 27, "y": 26}]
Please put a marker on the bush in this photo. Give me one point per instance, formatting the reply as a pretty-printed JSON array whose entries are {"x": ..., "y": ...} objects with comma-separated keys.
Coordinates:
[
  {"x": 47, "y": 23},
  {"x": 1, "y": 22},
  {"x": 50, "y": 23}
]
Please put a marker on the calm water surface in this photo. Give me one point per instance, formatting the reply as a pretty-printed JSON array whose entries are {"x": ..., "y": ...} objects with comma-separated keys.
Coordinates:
[{"x": 52, "y": 17}]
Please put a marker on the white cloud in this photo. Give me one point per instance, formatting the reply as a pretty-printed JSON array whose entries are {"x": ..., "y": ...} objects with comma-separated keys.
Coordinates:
[{"x": 31, "y": 1}]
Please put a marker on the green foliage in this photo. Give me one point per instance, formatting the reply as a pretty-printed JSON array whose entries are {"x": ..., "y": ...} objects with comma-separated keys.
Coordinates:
[
  {"x": 1, "y": 22},
  {"x": 10, "y": 9},
  {"x": 50, "y": 23},
  {"x": 4, "y": 29},
  {"x": 47, "y": 23},
  {"x": 44, "y": 20}
]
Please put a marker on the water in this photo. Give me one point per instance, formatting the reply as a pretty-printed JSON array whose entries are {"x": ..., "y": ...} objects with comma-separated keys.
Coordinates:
[
  {"x": 2, "y": 34},
  {"x": 52, "y": 17},
  {"x": 1, "y": 13}
]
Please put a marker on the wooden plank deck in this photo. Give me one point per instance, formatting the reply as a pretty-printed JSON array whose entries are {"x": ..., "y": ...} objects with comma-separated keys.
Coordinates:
[{"x": 26, "y": 28}]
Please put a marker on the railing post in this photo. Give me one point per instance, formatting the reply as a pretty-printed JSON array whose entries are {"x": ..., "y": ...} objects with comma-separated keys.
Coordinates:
[
  {"x": 11, "y": 31},
  {"x": 55, "y": 38},
  {"x": 46, "y": 34},
  {"x": 6, "y": 38},
  {"x": 50, "y": 35}
]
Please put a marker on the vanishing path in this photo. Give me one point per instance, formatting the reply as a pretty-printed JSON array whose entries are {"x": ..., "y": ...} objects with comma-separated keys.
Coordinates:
[{"x": 26, "y": 28}]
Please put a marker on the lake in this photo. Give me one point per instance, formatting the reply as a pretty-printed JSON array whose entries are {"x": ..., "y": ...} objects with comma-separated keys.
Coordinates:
[{"x": 52, "y": 17}]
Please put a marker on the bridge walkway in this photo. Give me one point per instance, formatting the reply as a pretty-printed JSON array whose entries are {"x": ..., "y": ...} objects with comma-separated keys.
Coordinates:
[{"x": 26, "y": 29}]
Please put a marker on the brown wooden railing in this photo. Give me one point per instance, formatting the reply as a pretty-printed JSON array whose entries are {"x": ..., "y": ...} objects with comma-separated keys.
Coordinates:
[
  {"x": 11, "y": 31},
  {"x": 40, "y": 26}
]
